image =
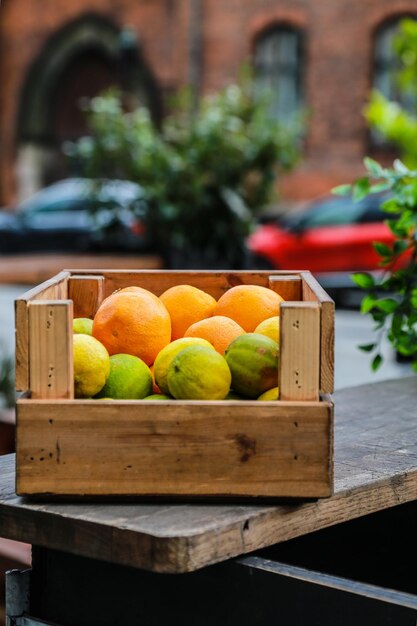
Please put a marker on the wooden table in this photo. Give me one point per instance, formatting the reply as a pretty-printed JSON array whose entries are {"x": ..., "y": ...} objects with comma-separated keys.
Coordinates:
[{"x": 375, "y": 469}]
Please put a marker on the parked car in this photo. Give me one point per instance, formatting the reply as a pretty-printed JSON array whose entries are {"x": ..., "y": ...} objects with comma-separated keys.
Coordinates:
[
  {"x": 76, "y": 215},
  {"x": 332, "y": 237}
]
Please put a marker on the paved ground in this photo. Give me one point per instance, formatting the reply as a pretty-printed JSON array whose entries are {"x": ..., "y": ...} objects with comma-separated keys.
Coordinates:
[{"x": 352, "y": 366}]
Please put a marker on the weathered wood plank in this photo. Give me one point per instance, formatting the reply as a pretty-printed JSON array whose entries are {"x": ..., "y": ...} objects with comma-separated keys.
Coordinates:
[
  {"x": 86, "y": 292},
  {"x": 288, "y": 287},
  {"x": 375, "y": 469},
  {"x": 214, "y": 283},
  {"x": 312, "y": 291},
  {"x": 169, "y": 448},
  {"x": 50, "y": 358},
  {"x": 299, "y": 370},
  {"x": 52, "y": 289}
]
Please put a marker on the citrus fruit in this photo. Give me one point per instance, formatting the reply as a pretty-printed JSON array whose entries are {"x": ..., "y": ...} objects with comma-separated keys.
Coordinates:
[
  {"x": 155, "y": 387},
  {"x": 218, "y": 330},
  {"x": 158, "y": 396},
  {"x": 129, "y": 378},
  {"x": 82, "y": 325},
  {"x": 91, "y": 365},
  {"x": 186, "y": 305},
  {"x": 199, "y": 373},
  {"x": 253, "y": 362},
  {"x": 269, "y": 328},
  {"x": 271, "y": 394},
  {"x": 248, "y": 305},
  {"x": 133, "y": 321},
  {"x": 164, "y": 358}
]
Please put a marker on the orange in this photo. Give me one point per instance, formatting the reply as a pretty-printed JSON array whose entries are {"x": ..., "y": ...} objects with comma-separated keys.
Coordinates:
[
  {"x": 186, "y": 305},
  {"x": 133, "y": 321},
  {"x": 218, "y": 330},
  {"x": 248, "y": 305}
]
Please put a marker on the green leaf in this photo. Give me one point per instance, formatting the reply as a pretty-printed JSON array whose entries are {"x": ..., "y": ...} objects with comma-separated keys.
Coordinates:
[
  {"x": 378, "y": 187},
  {"x": 396, "y": 324},
  {"x": 390, "y": 206},
  {"x": 367, "y": 304},
  {"x": 361, "y": 189},
  {"x": 414, "y": 365},
  {"x": 365, "y": 281},
  {"x": 400, "y": 246},
  {"x": 342, "y": 190},
  {"x": 382, "y": 249},
  {"x": 388, "y": 305},
  {"x": 400, "y": 167},
  {"x": 376, "y": 362},
  {"x": 367, "y": 347},
  {"x": 373, "y": 167}
]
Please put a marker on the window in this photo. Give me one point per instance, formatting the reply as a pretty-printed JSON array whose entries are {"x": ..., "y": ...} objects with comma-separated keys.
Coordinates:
[
  {"x": 278, "y": 69},
  {"x": 387, "y": 65}
]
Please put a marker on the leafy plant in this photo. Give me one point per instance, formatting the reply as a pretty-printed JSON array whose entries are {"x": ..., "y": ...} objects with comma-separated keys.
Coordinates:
[
  {"x": 205, "y": 175},
  {"x": 391, "y": 301},
  {"x": 392, "y": 120},
  {"x": 7, "y": 392}
]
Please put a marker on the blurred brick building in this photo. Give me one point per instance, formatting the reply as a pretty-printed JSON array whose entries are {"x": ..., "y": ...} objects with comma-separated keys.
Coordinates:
[{"x": 317, "y": 54}]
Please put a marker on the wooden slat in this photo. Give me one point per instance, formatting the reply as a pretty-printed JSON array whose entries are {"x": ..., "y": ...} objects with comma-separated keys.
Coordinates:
[
  {"x": 50, "y": 354},
  {"x": 299, "y": 371},
  {"x": 214, "y": 283},
  {"x": 174, "y": 448},
  {"x": 86, "y": 292},
  {"x": 312, "y": 291},
  {"x": 288, "y": 287},
  {"x": 53, "y": 289}
]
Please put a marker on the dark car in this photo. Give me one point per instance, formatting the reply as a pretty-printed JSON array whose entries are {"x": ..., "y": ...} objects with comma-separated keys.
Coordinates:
[
  {"x": 76, "y": 215},
  {"x": 332, "y": 237}
]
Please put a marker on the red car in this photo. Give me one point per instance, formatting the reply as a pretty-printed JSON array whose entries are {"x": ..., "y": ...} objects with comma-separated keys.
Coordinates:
[{"x": 332, "y": 238}]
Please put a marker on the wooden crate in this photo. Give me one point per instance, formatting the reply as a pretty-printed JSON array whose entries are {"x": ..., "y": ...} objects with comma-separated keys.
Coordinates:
[{"x": 173, "y": 448}]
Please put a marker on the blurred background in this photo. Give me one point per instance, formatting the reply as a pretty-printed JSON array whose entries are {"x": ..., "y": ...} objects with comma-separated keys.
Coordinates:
[{"x": 197, "y": 134}]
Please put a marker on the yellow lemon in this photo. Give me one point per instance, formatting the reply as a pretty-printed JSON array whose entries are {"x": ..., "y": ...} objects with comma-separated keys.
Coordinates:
[
  {"x": 269, "y": 328},
  {"x": 164, "y": 358},
  {"x": 129, "y": 378},
  {"x": 199, "y": 373},
  {"x": 271, "y": 394},
  {"x": 91, "y": 366},
  {"x": 82, "y": 325}
]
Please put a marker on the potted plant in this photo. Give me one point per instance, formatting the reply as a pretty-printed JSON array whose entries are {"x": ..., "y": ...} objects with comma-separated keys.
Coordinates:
[{"x": 206, "y": 174}]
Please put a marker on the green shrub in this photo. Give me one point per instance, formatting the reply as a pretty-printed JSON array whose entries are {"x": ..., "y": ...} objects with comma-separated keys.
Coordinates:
[{"x": 205, "y": 175}]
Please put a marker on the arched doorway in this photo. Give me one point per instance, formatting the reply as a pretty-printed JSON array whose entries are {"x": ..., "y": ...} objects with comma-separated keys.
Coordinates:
[{"x": 80, "y": 60}]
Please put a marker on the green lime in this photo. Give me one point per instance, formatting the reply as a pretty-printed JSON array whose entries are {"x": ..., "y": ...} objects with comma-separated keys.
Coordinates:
[
  {"x": 129, "y": 379},
  {"x": 82, "y": 325},
  {"x": 158, "y": 396},
  {"x": 164, "y": 358},
  {"x": 199, "y": 373}
]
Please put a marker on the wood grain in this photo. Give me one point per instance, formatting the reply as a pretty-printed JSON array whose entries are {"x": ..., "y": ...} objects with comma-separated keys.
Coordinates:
[
  {"x": 52, "y": 289},
  {"x": 86, "y": 292},
  {"x": 312, "y": 291},
  {"x": 288, "y": 287},
  {"x": 214, "y": 283},
  {"x": 375, "y": 469},
  {"x": 299, "y": 369},
  {"x": 174, "y": 448},
  {"x": 50, "y": 340}
]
